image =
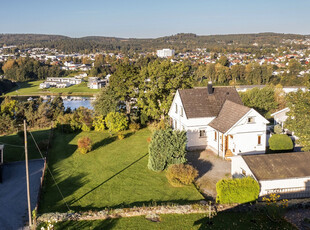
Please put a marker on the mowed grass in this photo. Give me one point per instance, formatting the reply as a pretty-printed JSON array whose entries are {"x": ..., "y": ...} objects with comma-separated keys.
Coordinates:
[
  {"x": 114, "y": 174},
  {"x": 31, "y": 88},
  {"x": 224, "y": 220},
  {"x": 14, "y": 146}
]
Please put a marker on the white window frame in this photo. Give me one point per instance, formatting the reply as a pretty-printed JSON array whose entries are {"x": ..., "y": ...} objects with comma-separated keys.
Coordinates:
[{"x": 202, "y": 131}]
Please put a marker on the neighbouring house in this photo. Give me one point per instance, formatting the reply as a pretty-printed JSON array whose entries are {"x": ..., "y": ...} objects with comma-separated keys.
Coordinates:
[
  {"x": 45, "y": 85},
  {"x": 215, "y": 118},
  {"x": 96, "y": 83},
  {"x": 286, "y": 174},
  {"x": 280, "y": 116},
  {"x": 71, "y": 80}
]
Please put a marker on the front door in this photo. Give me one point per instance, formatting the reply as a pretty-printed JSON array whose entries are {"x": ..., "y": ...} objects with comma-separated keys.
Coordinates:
[{"x": 226, "y": 143}]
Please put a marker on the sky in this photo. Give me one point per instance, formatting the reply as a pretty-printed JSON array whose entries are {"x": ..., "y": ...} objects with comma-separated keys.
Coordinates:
[{"x": 153, "y": 18}]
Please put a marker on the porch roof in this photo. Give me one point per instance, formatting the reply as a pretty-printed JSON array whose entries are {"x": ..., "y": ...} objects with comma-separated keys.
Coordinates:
[{"x": 229, "y": 115}]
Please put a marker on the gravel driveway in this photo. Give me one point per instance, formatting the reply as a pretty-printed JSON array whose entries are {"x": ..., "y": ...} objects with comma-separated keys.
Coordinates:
[
  {"x": 13, "y": 195},
  {"x": 211, "y": 169}
]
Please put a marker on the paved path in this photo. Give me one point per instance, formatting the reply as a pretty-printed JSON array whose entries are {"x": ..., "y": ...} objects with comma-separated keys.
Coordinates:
[
  {"x": 211, "y": 169},
  {"x": 13, "y": 195}
]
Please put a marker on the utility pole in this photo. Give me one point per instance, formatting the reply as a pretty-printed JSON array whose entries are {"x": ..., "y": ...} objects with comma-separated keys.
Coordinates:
[{"x": 27, "y": 174}]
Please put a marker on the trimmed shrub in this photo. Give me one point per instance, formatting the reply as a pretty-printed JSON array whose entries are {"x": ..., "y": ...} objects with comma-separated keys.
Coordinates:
[
  {"x": 240, "y": 190},
  {"x": 134, "y": 127},
  {"x": 277, "y": 129},
  {"x": 84, "y": 145},
  {"x": 181, "y": 174},
  {"x": 167, "y": 147},
  {"x": 280, "y": 142}
]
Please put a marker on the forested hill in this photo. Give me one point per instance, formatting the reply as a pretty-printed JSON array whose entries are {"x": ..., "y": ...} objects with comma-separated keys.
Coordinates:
[{"x": 179, "y": 42}]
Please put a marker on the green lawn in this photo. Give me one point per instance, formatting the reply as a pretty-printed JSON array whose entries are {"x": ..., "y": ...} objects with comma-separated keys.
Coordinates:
[
  {"x": 13, "y": 146},
  {"x": 114, "y": 174},
  {"x": 31, "y": 88},
  {"x": 224, "y": 220}
]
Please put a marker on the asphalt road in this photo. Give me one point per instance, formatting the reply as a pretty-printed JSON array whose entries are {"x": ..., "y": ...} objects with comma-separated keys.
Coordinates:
[{"x": 13, "y": 195}]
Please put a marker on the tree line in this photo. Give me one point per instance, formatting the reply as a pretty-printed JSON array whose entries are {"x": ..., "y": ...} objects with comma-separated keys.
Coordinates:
[
  {"x": 179, "y": 42},
  {"x": 25, "y": 69}
]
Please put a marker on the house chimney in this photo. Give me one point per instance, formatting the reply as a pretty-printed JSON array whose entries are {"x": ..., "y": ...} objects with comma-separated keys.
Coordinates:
[{"x": 210, "y": 87}]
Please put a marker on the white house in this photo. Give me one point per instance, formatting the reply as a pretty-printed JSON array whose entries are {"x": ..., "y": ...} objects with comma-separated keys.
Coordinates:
[
  {"x": 286, "y": 174},
  {"x": 215, "y": 118},
  {"x": 45, "y": 85},
  {"x": 280, "y": 116}
]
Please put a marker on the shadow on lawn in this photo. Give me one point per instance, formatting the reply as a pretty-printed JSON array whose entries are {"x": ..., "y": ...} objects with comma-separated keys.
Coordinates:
[
  {"x": 103, "y": 142},
  {"x": 93, "y": 189},
  {"x": 13, "y": 146}
]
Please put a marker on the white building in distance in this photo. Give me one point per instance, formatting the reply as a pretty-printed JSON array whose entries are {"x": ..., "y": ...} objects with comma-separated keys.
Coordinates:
[{"x": 164, "y": 53}]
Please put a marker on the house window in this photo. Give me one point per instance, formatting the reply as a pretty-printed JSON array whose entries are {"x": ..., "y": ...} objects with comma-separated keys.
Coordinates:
[
  {"x": 251, "y": 120},
  {"x": 243, "y": 172},
  {"x": 176, "y": 108},
  {"x": 175, "y": 124},
  {"x": 181, "y": 111},
  {"x": 259, "y": 140},
  {"x": 202, "y": 133},
  {"x": 215, "y": 136}
]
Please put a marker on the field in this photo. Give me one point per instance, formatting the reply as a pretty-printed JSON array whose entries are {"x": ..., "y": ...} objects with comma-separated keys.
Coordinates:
[
  {"x": 31, "y": 88},
  {"x": 224, "y": 220},
  {"x": 113, "y": 174}
]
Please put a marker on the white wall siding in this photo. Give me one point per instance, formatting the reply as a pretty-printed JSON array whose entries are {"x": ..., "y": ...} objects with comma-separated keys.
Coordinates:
[
  {"x": 238, "y": 167},
  {"x": 245, "y": 135},
  {"x": 292, "y": 185}
]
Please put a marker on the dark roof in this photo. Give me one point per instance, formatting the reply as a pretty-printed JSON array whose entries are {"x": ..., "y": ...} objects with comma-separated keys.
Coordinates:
[
  {"x": 279, "y": 166},
  {"x": 198, "y": 102},
  {"x": 230, "y": 114}
]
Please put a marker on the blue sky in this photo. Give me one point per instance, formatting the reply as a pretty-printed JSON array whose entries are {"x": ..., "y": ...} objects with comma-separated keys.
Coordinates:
[{"x": 149, "y": 19}]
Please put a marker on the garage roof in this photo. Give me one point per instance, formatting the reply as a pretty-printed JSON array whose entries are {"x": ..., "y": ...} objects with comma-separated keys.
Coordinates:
[{"x": 279, "y": 166}]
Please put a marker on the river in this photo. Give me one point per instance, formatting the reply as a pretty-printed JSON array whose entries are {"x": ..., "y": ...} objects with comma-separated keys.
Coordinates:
[{"x": 72, "y": 102}]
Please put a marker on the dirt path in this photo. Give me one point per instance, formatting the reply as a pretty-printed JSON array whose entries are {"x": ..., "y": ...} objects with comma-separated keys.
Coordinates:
[{"x": 211, "y": 169}]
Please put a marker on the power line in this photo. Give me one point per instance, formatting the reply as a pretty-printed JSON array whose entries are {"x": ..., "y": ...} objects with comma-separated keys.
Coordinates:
[
  {"x": 19, "y": 146},
  {"x": 63, "y": 198}
]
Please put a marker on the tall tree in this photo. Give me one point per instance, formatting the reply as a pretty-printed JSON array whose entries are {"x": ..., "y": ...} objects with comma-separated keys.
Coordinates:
[
  {"x": 298, "y": 120},
  {"x": 158, "y": 84}
]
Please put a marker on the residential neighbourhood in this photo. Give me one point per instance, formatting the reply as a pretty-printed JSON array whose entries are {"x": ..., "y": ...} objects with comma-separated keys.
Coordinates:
[{"x": 155, "y": 115}]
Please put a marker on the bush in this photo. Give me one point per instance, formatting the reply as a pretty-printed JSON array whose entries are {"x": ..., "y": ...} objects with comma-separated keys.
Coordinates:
[
  {"x": 277, "y": 129},
  {"x": 143, "y": 119},
  {"x": 116, "y": 122},
  {"x": 167, "y": 147},
  {"x": 280, "y": 142},
  {"x": 84, "y": 145},
  {"x": 240, "y": 190},
  {"x": 120, "y": 136},
  {"x": 134, "y": 127},
  {"x": 181, "y": 174}
]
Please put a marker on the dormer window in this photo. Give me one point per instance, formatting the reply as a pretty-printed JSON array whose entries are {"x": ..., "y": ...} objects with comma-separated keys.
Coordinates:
[
  {"x": 251, "y": 119},
  {"x": 176, "y": 108}
]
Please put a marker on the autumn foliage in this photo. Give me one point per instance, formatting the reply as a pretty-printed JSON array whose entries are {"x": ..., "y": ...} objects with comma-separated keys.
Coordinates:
[{"x": 84, "y": 145}]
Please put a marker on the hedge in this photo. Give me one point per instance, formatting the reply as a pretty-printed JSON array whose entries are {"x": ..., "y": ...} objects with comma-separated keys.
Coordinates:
[
  {"x": 240, "y": 190},
  {"x": 280, "y": 142},
  {"x": 167, "y": 147}
]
